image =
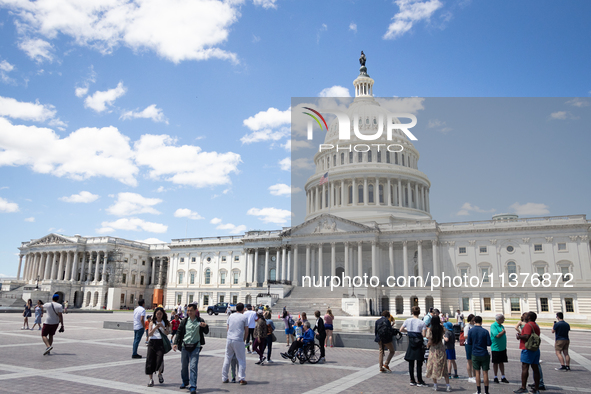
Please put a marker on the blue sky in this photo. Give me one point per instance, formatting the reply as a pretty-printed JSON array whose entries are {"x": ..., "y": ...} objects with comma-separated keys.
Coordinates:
[{"x": 164, "y": 119}]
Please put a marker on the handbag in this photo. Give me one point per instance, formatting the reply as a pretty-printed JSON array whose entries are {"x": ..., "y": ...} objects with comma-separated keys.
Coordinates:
[
  {"x": 273, "y": 338},
  {"x": 165, "y": 342}
]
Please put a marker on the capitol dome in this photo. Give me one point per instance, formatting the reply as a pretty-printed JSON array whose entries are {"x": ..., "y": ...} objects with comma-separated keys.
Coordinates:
[{"x": 368, "y": 183}]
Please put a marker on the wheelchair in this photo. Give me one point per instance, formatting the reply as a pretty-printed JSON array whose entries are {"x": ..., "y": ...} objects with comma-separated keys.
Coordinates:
[{"x": 309, "y": 352}]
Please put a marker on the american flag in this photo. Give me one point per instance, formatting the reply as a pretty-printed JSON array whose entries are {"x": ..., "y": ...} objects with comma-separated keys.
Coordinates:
[{"x": 324, "y": 179}]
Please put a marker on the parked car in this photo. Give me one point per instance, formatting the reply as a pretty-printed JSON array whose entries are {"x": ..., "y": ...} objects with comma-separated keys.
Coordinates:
[{"x": 220, "y": 307}]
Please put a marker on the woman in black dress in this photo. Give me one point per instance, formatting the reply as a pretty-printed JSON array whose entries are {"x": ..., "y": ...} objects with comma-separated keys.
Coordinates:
[
  {"x": 159, "y": 327},
  {"x": 27, "y": 314}
]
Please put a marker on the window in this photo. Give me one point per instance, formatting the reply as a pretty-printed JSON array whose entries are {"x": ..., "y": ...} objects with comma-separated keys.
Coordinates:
[
  {"x": 190, "y": 298},
  {"x": 272, "y": 274},
  {"x": 370, "y": 192},
  {"x": 133, "y": 279},
  {"x": 561, "y": 246},
  {"x": 122, "y": 298},
  {"x": 236, "y": 277},
  {"x": 485, "y": 278},
  {"x": 369, "y": 156},
  {"x": 192, "y": 278},
  {"x": 462, "y": 250},
  {"x": 381, "y": 191},
  {"x": 342, "y": 158},
  {"x": 142, "y": 280},
  {"x": 395, "y": 157},
  {"x": 388, "y": 157},
  {"x": 537, "y": 247},
  {"x": 328, "y": 162},
  {"x": 192, "y": 259},
  {"x": 135, "y": 261},
  {"x": 569, "y": 305},
  {"x": 350, "y": 194},
  {"x": 181, "y": 277},
  {"x": 403, "y": 159},
  {"x": 483, "y": 249},
  {"x": 463, "y": 272},
  {"x": 236, "y": 258},
  {"x": 515, "y": 304},
  {"x": 359, "y": 157},
  {"x": 222, "y": 278},
  {"x": 366, "y": 120},
  {"x": 131, "y": 299},
  {"x": 360, "y": 196},
  {"x": 234, "y": 299},
  {"x": 564, "y": 270},
  {"x": 511, "y": 268},
  {"x": 510, "y": 249},
  {"x": 379, "y": 157},
  {"x": 350, "y": 157},
  {"x": 544, "y": 305},
  {"x": 179, "y": 298},
  {"x": 207, "y": 276},
  {"x": 205, "y": 300},
  {"x": 124, "y": 278},
  {"x": 540, "y": 270},
  {"x": 182, "y": 260},
  {"x": 487, "y": 306},
  {"x": 223, "y": 259},
  {"x": 221, "y": 298},
  {"x": 465, "y": 304},
  {"x": 143, "y": 262}
]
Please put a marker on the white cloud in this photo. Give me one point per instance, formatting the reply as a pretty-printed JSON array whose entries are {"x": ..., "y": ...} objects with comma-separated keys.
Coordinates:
[
  {"x": 298, "y": 164},
  {"x": 81, "y": 92},
  {"x": 30, "y": 220},
  {"x": 231, "y": 228},
  {"x": 266, "y": 3},
  {"x": 353, "y": 27},
  {"x": 439, "y": 125},
  {"x": 131, "y": 224},
  {"x": 6, "y": 206},
  {"x": 270, "y": 118},
  {"x": 530, "y": 209},
  {"x": 161, "y": 189},
  {"x": 562, "y": 115},
  {"x": 133, "y": 204},
  {"x": 271, "y": 215},
  {"x": 335, "y": 91},
  {"x": 82, "y": 197},
  {"x": 265, "y": 135},
  {"x": 215, "y": 221},
  {"x": 411, "y": 11},
  {"x": 281, "y": 189},
  {"x": 405, "y": 104},
  {"x": 579, "y": 102},
  {"x": 187, "y": 213},
  {"x": 285, "y": 164},
  {"x": 151, "y": 241},
  {"x": 5, "y": 68},
  {"x": 85, "y": 153},
  {"x": 467, "y": 208},
  {"x": 34, "y": 112},
  {"x": 186, "y": 164},
  {"x": 37, "y": 49},
  {"x": 175, "y": 30},
  {"x": 292, "y": 145},
  {"x": 99, "y": 100},
  {"x": 150, "y": 112},
  {"x": 322, "y": 29}
]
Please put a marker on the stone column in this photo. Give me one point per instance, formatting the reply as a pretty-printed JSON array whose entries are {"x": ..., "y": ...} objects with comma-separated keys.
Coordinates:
[
  {"x": 283, "y": 262},
  {"x": 347, "y": 273},
  {"x": 365, "y": 191},
  {"x": 317, "y": 201},
  {"x": 74, "y": 274},
  {"x": 288, "y": 273},
  {"x": 409, "y": 204},
  {"x": 160, "y": 270},
  {"x": 320, "y": 273},
  {"x": 153, "y": 277},
  {"x": 68, "y": 266},
  {"x": 296, "y": 268},
  {"x": 354, "y": 192},
  {"x": 96, "y": 269},
  {"x": 40, "y": 268},
  {"x": 343, "y": 201},
  {"x": 53, "y": 274},
  {"x": 405, "y": 258},
  {"x": 105, "y": 260},
  {"x": 420, "y": 258},
  {"x": 376, "y": 192},
  {"x": 360, "y": 258},
  {"x": 391, "y": 257},
  {"x": 277, "y": 266},
  {"x": 416, "y": 196},
  {"x": 256, "y": 267},
  {"x": 26, "y": 266},
  {"x": 308, "y": 260},
  {"x": 47, "y": 267},
  {"x": 89, "y": 268},
  {"x": 333, "y": 259},
  {"x": 400, "y": 192},
  {"x": 60, "y": 269},
  {"x": 266, "y": 276},
  {"x": 389, "y": 193},
  {"x": 374, "y": 263},
  {"x": 435, "y": 261},
  {"x": 35, "y": 266},
  {"x": 428, "y": 207},
  {"x": 83, "y": 267},
  {"x": 20, "y": 262}
]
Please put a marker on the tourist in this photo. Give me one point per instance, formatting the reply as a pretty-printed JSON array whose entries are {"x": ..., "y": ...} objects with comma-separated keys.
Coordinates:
[
  {"x": 321, "y": 335},
  {"x": 159, "y": 329},
  {"x": 147, "y": 328},
  {"x": 560, "y": 331},
  {"x": 229, "y": 310},
  {"x": 428, "y": 317},
  {"x": 307, "y": 337},
  {"x": 469, "y": 365},
  {"x": 449, "y": 338},
  {"x": 190, "y": 339},
  {"x": 139, "y": 315},
  {"x": 251, "y": 317},
  {"x": 237, "y": 334},
  {"x": 384, "y": 333},
  {"x": 27, "y": 314},
  {"x": 174, "y": 325},
  {"x": 66, "y": 304},
  {"x": 303, "y": 317},
  {"x": 531, "y": 356},
  {"x": 460, "y": 318},
  {"x": 260, "y": 337},
  {"x": 521, "y": 322},
  {"x": 53, "y": 318},
  {"x": 416, "y": 330},
  {"x": 329, "y": 327},
  {"x": 299, "y": 329},
  {"x": 179, "y": 309},
  {"x": 38, "y": 314},
  {"x": 479, "y": 339},
  {"x": 437, "y": 363},
  {"x": 185, "y": 311},
  {"x": 289, "y": 331},
  {"x": 498, "y": 337},
  {"x": 270, "y": 335}
]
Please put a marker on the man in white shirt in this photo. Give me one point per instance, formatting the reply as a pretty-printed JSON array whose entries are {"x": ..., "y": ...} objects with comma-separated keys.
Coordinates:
[
  {"x": 237, "y": 334},
  {"x": 53, "y": 317},
  {"x": 139, "y": 315},
  {"x": 251, "y": 315}
]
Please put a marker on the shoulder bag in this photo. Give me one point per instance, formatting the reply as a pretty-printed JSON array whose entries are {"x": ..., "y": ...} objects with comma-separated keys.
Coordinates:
[{"x": 165, "y": 342}]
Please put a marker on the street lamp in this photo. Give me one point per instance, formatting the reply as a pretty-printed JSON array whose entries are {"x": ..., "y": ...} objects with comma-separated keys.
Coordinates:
[
  {"x": 37, "y": 283},
  {"x": 269, "y": 288}
]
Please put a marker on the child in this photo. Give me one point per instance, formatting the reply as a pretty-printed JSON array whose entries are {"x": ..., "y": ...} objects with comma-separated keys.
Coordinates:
[
  {"x": 38, "y": 314},
  {"x": 449, "y": 339},
  {"x": 299, "y": 330},
  {"x": 175, "y": 326},
  {"x": 147, "y": 327}
]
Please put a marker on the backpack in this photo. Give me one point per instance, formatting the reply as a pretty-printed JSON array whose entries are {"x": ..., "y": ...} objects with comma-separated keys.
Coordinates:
[
  {"x": 290, "y": 321},
  {"x": 385, "y": 331},
  {"x": 533, "y": 342},
  {"x": 462, "y": 339}
]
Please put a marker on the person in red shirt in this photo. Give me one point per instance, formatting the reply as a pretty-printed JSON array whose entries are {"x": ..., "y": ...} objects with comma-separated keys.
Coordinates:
[
  {"x": 529, "y": 357},
  {"x": 147, "y": 327},
  {"x": 175, "y": 326}
]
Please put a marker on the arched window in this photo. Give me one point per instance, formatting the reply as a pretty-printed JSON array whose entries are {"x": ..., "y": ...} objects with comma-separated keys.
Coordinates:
[
  {"x": 381, "y": 191},
  {"x": 350, "y": 194},
  {"x": 207, "y": 276},
  {"x": 222, "y": 277},
  {"x": 369, "y": 156},
  {"x": 511, "y": 268},
  {"x": 360, "y": 194},
  {"x": 181, "y": 276},
  {"x": 370, "y": 192},
  {"x": 328, "y": 162},
  {"x": 235, "y": 277},
  {"x": 192, "y": 277},
  {"x": 342, "y": 158},
  {"x": 272, "y": 275}
]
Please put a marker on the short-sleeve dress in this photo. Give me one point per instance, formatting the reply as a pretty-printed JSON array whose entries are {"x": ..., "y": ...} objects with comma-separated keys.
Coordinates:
[{"x": 436, "y": 364}]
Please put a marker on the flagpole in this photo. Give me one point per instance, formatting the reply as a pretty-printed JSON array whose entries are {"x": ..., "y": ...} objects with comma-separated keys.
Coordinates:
[{"x": 329, "y": 193}]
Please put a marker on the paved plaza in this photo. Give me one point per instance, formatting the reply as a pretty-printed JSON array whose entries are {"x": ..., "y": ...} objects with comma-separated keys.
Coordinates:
[{"x": 90, "y": 359}]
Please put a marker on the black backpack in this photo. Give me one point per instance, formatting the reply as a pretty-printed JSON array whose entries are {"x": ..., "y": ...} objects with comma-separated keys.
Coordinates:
[{"x": 385, "y": 331}]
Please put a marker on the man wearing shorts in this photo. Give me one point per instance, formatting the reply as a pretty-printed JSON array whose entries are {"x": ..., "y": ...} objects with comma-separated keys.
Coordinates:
[
  {"x": 479, "y": 339},
  {"x": 529, "y": 357},
  {"x": 53, "y": 317},
  {"x": 449, "y": 339},
  {"x": 560, "y": 331},
  {"x": 498, "y": 337}
]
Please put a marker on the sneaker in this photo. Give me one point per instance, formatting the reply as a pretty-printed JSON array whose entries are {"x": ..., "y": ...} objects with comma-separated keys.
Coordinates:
[
  {"x": 270, "y": 361},
  {"x": 233, "y": 380},
  {"x": 413, "y": 383},
  {"x": 136, "y": 356},
  {"x": 47, "y": 350},
  {"x": 504, "y": 380},
  {"x": 567, "y": 368},
  {"x": 383, "y": 370},
  {"x": 249, "y": 352},
  {"x": 535, "y": 392},
  {"x": 563, "y": 368},
  {"x": 497, "y": 380},
  {"x": 183, "y": 386},
  {"x": 259, "y": 362},
  {"x": 322, "y": 360},
  {"x": 39, "y": 328},
  {"x": 448, "y": 389},
  {"x": 22, "y": 328},
  {"x": 387, "y": 368},
  {"x": 456, "y": 376},
  {"x": 422, "y": 384},
  {"x": 434, "y": 387},
  {"x": 225, "y": 381},
  {"x": 541, "y": 387},
  {"x": 263, "y": 360},
  {"x": 243, "y": 382},
  {"x": 520, "y": 391},
  {"x": 284, "y": 355},
  {"x": 471, "y": 380}
]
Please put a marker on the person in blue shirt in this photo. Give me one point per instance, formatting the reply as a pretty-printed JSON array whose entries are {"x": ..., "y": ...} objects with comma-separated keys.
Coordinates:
[
  {"x": 298, "y": 343},
  {"x": 560, "y": 331},
  {"x": 479, "y": 339}
]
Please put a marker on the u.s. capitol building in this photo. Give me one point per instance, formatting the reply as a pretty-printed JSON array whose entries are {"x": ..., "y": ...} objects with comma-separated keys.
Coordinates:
[{"x": 377, "y": 223}]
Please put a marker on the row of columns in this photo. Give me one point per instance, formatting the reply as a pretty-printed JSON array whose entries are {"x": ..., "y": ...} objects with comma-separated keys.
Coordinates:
[
  {"x": 160, "y": 280},
  {"x": 282, "y": 264},
  {"x": 397, "y": 192},
  {"x": 62, "y": 265},
  {"x": 324, "y": 163}
]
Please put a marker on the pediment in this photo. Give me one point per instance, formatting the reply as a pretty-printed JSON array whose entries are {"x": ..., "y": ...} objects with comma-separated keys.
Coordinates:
[
  {"x": 51, "y": 239},
  {"x": 329, "y": 224}
]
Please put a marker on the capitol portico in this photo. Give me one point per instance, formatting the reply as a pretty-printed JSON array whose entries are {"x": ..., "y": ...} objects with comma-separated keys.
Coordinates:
[{"x": 371, "y": 216}]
